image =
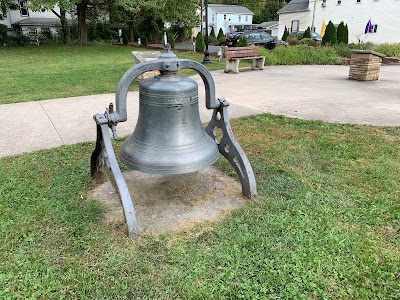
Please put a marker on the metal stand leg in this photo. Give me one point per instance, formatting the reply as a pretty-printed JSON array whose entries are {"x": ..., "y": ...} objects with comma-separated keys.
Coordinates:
[
  {"x": 103, "y": 157},
  {"x": 231, "y": 150}
]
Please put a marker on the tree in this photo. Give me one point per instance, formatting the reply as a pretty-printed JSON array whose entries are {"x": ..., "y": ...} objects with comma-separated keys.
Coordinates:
[
  {"x": 307, "y": 34},
  {"x": 64, "y": 5},
  {"x": 220, "y": 35},
  {"x": 330, "y": 35},
  {"x": 242, "y": 41},
  {"x": 212, "y": 33},
  {"x": 285, "y": 35},
  {"x": 200, "y": 45},
  {"x": 170, "y": 39},
  {"x": 342, "y": 34},
  {"x": 6, "y": 5},
  {"x": 346, "y": 40},
  {"x": 268, "y": 12}
]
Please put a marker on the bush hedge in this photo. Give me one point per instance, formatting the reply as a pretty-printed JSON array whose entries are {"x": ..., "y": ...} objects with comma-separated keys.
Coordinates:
[
  {"x": 302, "y": 55},
  {"x": 243, "y": 42},
  {"x": 330, "y": 36},
  {"x": 200, "y": 45}
]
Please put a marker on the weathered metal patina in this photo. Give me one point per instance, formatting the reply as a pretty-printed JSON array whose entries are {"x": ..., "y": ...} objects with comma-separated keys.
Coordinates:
[{"x": 168, "y": 137}]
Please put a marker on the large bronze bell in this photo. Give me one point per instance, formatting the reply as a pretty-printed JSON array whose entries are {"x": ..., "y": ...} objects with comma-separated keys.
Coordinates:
[{"x": 168, "y": 137}]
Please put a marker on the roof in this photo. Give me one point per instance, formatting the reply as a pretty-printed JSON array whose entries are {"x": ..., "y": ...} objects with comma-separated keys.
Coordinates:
[
  {"x": 294, "y": 6},
  {"x": 230, "y": 9},
  {"x": 268, "y": 24},
  {"x": 39, "y": 22}
]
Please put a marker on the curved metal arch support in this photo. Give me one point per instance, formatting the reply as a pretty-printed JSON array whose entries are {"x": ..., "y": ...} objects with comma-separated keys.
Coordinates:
[
  {"x": 103, "y": 157},
  {"x": 231, "y": 150},
  {"x": 168, "y": 64}
]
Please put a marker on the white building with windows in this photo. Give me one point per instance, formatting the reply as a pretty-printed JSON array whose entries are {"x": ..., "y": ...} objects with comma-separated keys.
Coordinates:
[
  {"x": 28, "y": 22},
  {"x": 297, "y": 15},
  {"x": 228, "y": 17}
]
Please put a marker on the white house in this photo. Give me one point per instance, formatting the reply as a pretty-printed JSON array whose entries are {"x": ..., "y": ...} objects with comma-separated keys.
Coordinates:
[
  {"x": 297, "y": 15},
  {"x": 29, "y": 22},
  {"x": 228, "y": 17}
]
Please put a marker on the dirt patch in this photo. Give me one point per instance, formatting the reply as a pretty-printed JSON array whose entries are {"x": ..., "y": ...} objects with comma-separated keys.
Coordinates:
[{"x": 172, "y": 202}]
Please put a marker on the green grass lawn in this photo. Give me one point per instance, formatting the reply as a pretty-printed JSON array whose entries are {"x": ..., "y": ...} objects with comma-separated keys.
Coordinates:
[
  {"x": 56, "y": 71},
  {"x": 326, "y": 224}
]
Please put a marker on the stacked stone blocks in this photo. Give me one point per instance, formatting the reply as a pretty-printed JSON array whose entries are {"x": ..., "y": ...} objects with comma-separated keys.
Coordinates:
[{"x": 365, "y": 65}]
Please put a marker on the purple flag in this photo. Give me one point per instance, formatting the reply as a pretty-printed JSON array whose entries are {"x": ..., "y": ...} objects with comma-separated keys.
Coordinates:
[
  {"x": 368, "y": 27},
  {"x": 285, "y": 28}
]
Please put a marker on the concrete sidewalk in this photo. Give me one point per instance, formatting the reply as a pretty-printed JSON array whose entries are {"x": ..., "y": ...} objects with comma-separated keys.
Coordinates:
[{"x": 306, "y": 92}]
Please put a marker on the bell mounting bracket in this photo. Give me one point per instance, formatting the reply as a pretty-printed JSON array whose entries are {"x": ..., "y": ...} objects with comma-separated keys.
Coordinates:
[{"x": 103, "y": 157}]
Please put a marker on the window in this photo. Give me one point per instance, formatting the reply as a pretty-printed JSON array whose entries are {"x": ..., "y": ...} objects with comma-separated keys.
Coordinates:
[
  {"x": 246, "y": 18},
  {"x": 23, "y": 10},
  {"x": 358, "y": 1},
  {"x": 323, "y": 4},
  {"x": 374, "y": 28},
  {"x": 224, "y": 17},
  {"x": 240, "y": 18},
  {"x": 32, "y": 31},
  {"x": 295, "y": 26},
  {"x": 213, "y": 18},
  {"x": 339, "y": 2}
]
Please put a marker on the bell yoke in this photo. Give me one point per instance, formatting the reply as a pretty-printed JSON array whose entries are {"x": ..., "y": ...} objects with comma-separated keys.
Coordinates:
[{"x": 168, "y": 137}]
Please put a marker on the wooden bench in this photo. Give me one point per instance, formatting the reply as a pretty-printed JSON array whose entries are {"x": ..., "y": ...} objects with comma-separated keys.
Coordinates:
[{"x": 234, "y": 55}]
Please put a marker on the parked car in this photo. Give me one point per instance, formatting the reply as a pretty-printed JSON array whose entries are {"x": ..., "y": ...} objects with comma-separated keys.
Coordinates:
[
  {"x": 258, "y": 38},
  {"x": 315, "y": 36}
]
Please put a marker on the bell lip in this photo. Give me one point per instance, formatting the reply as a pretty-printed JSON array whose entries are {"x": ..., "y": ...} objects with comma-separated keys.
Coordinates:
[{"x": 170, "y": 170}]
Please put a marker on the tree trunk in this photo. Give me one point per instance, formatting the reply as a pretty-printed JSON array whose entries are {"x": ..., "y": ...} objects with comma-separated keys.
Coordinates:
[
  {"x": 64, "y": 25},
  {"x": 65, "y": 28},
  {"x": 81, "y": 8},
  {"x": 130, "y": 31}
]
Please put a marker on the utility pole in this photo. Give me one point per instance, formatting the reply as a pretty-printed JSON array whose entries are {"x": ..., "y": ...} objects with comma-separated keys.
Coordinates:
[{"x": 313, "y": 18}]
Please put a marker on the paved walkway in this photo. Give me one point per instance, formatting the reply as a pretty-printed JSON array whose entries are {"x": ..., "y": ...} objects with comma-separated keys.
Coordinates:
[{"x": 306, "y": 92}]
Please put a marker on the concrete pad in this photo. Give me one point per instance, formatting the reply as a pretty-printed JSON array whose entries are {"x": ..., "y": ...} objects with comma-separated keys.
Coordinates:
[
  {"x": 315, "y": 93},
  {"x": 305, "y": 92},
  {"x": 172, "y": 202},
  {"x": 25, "y": 128}
]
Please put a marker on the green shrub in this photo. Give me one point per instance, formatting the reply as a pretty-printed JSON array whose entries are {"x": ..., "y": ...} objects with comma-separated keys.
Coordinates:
[
  {"x": 330, "y": 35},
  {"x": 17, "y": 41},
  {"x": 391, "y": 50},
  {"x": 3, "y": 35},
  {"x": 243, "y": 42},
  {"x": 292, "y": 41},
  {"x": 200, "y": 45},
  {"x": 212, "y": 33},
  {"x": 285, "y": 36},
  {"x": 222, "y": 41},
  {"x": 182, "y": 33},
  {"x": 144, "y": 40},
  {"x": 12, "y": 41},
  {"x": 366, "y": 46},
  {"x": 170, "y": 38},
  {"x": 309, "y": 42},
  {"x": 220, "y": 34},
  {"x": 307, "y": 34},
  {"x": 343, "y": 50},
  {"x": 212, "y": 40},
  {"x": 302, "y": 54},
  {"x": 342, "y": 34}
]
